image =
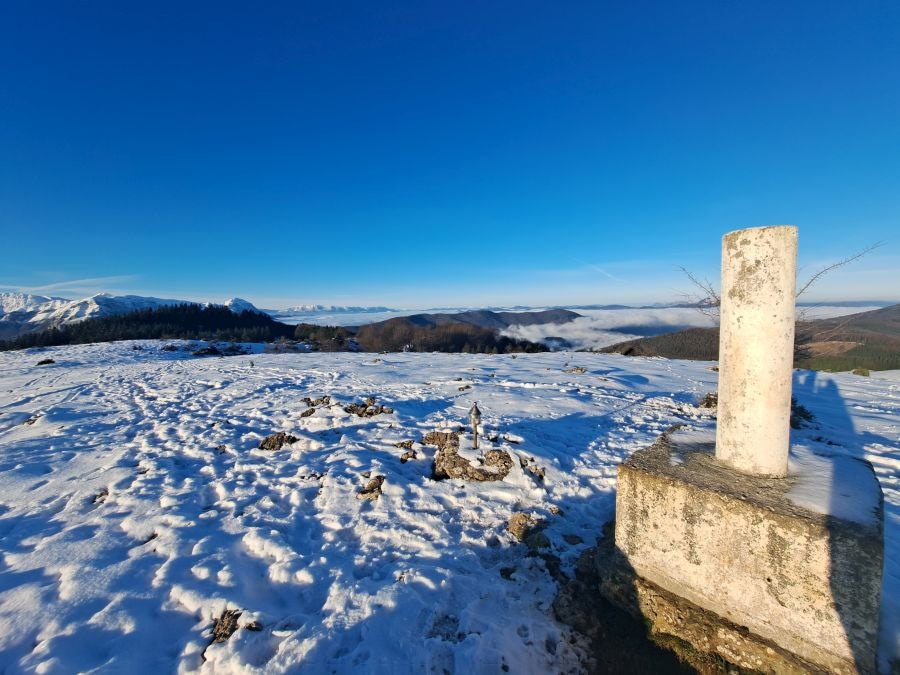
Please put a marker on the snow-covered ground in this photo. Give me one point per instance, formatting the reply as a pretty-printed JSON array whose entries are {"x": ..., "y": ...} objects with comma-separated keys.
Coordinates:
[{"x": 135, "y": 505}]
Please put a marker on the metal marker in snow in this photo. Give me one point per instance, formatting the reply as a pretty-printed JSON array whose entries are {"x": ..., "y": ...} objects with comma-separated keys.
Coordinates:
[
  {"x": 474, "y": 420},
  {"x": 756, "y": 349}
]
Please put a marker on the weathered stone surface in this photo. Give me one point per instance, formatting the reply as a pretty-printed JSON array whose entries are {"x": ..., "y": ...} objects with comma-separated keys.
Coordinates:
[
  {"x": 519, "y": 524},
  {"x": 744, "y": 548},
  {"x": 442, "y": 439},
  {"x": 225, "y": 625},
  {"x": 368, "y": 408},
  {"x": 756, "y": 348},
  {"x": 715, "y": 644},
  {"x": 448, "y": 463},
  {"x": 529, "y": 530},
  {"x": 372, "y": 491},
  {"x": 277, "y": 441}
]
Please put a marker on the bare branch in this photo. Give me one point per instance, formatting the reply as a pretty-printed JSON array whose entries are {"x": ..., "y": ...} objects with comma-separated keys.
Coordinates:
[
  {"x": 840, "y": 263},
  {"x": 707, "y": 299}
]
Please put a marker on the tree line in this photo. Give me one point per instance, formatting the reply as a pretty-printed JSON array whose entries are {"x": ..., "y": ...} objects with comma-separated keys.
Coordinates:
[
  {"x": 210, "y": 322},
  {"x": 184, "y": 321}
]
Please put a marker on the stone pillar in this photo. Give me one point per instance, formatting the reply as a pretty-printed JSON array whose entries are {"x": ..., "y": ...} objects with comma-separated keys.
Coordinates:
[{"x": 756, "y": 349}]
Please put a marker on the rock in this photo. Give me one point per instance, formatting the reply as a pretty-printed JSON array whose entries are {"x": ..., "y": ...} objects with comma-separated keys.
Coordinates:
[
  {"x": 408, "y": 455},
  {"x": 520, "y": 524},
  {"x": 372, "y": 490},
  {"x": 368, "y": 408},
  {"x": 448, "y": 463},
  {"x": 225, "y": 626},
  {"x": 711, "y": 400},
  {"x": 404, "y": 445},
  {"x": 465, "y": 386},
  {"x": 442, "y": 439},
  {"x": 577, "y": 370},
  {"x": 277, "y": 441},
  {"x": 307, "y": 412},
  {"x": 528, "y": 464},
  {"x": 211, "y": 350},
  {"x": 45, "y": 362},
  {"x": 313, "y": 403},
  {"x": 169, "y": 348},
  {"x": 528, "y": 529}
]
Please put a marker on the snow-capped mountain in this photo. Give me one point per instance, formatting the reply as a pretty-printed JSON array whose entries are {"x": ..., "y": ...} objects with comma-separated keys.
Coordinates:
[
  {"x": 238, "y": 305},
  {"x": 26, "y": 302},
  {"x": 101, "y": 304},
  {"x": 24, "y": 313}
]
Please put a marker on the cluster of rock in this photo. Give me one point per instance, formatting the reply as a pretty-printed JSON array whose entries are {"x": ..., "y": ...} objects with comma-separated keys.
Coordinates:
[
  {"x": 313, "y": 404},
  {"x": 495, "y": 464},
  {"x": 368, "y": 408},
  {"x": 528, "y": 464},
  {"x": 277, "y": 441}
]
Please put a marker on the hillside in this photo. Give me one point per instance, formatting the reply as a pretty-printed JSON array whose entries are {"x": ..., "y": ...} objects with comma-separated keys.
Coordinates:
[
  {"x": 185, "y": 321},
  {"x": 137, "y": 506},
  {"x": 698, "y": 344},
  {"x": 865, "y": 340},
  {"x": 238, "y": 321},
  {"x": 868, "y": 340},
  {"x": 483, "y": 318},
  {"x": 21, "y": 313}
]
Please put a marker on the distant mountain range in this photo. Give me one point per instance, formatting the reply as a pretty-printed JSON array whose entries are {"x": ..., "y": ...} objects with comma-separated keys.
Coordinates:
[
  {"x": 24, "y": 313},
  {"x": 484, "y": 318}
]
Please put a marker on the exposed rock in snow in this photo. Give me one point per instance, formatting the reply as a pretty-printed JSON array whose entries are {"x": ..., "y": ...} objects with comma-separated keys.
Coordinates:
[
  {"x": 372, "y": 491},
  {"x": 123, "y": 444},
  {"x": 448, "y": 463},
  {"x": 277, "y": 441}
]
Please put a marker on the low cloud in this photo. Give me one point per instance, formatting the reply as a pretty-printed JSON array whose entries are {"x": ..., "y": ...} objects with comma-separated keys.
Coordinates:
[{"x": 603, "y": 327}]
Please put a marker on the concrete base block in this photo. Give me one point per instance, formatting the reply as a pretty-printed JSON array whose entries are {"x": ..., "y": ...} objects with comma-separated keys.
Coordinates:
[{"x": 794, "y": 563}]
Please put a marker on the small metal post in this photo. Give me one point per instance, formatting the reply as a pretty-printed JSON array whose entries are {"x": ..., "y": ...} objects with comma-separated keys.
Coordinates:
[{"x": 474, "y": 420}]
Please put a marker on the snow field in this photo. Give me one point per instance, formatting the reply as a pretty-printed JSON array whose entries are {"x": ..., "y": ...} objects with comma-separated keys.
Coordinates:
[{"x": 135, "y": 505}]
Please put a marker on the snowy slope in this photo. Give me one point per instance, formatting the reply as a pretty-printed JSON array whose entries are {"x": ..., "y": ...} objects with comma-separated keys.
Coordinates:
[
  {"x": 20, "y": 313},
  {"x": 25, "y": 302},
  {"x": 238, "y": 305},
  {"x": 135, "y": 505}
]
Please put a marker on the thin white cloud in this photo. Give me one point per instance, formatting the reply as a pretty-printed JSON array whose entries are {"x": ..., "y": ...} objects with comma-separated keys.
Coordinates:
[{"x": 87, "y": 286}]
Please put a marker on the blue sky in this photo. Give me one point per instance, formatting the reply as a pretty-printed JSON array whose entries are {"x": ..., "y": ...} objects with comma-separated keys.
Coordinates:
[{"x": 438, "y": 153}]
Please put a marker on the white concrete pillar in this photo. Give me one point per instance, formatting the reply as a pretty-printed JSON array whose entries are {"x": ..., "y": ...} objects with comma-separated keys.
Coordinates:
[{"x": 756, "y": 349}]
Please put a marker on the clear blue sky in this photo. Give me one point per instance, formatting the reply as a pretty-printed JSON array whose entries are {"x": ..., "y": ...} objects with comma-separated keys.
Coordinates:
[{"x": 434, "y": 153}]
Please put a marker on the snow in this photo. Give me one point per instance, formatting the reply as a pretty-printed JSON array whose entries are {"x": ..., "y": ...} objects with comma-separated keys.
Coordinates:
[
  {"x": 135, "y": 506},
  {"x": 833, "y": 484},
  {"x": 238, "y": 305},
  {"x": 17, "y": 302},
  {"x": 31, "y": 313}
]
